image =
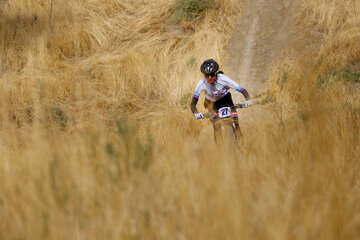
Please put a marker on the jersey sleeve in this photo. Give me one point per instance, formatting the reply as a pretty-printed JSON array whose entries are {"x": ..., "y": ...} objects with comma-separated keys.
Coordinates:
[
  {"x": 198, "y": 90},
  {"x": 232, "y": 84}
]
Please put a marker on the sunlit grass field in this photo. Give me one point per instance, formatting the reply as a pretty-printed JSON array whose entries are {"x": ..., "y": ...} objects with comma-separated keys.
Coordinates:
[{"x": 98, "y": 142}]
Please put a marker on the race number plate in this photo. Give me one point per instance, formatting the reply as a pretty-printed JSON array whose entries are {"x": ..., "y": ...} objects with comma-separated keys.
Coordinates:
[{"x": 224, "y": 112}]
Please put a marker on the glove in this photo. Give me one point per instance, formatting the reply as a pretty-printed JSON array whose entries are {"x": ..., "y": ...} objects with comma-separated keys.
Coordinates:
[
  {"x": 248, "y": 103},
  {"x": 198, "y": 115}
]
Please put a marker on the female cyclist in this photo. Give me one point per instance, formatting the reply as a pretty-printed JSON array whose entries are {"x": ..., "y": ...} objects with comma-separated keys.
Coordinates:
[{"x": 217, "y": 93}]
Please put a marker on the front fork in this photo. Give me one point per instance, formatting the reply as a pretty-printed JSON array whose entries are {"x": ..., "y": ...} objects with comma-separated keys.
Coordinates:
[{"x": 236, "y": 131}]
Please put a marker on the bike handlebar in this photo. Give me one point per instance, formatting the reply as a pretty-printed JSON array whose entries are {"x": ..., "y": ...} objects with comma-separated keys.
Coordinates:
[{"x": 236, "y": 106}]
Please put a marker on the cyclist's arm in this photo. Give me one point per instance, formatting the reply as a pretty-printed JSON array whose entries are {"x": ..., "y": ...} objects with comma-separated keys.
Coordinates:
[
  {"x": 244, "y": 92},
  {"x": 232, "y": 84},
  {"x": 193, "y": 104},
  {"x": 195, "y": 98}
]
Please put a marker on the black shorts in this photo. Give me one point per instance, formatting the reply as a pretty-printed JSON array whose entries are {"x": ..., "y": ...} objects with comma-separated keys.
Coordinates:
[{"x": 225, "y": 101}]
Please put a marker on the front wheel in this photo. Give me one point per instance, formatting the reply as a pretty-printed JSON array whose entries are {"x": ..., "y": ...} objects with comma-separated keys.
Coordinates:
[
  {"x": 235, "y": 131},
  {"x": 228, "y": 130}
]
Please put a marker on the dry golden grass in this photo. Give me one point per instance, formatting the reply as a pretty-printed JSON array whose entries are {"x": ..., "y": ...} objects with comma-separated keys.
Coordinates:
[{"x": 97, "y": 141}]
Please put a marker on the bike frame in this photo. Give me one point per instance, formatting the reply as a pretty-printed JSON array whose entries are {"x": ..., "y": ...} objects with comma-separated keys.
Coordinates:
[{"x": 227, "y": 122}]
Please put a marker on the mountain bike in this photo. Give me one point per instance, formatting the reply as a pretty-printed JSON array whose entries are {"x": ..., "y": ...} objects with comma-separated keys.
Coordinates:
[{"x": 225, "y": 122}]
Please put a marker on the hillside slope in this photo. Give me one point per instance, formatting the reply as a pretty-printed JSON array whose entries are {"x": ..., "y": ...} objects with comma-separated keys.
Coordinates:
[
  {"x": 262, "y": 34},
  {"x": 97, "y": 140}
]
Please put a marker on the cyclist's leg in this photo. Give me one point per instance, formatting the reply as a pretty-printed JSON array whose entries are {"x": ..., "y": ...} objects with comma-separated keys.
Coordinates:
[
  {"x": 227, "y": 101},
  {"x": 210, "y": 106},
  {"x": 217, "y": 130}
]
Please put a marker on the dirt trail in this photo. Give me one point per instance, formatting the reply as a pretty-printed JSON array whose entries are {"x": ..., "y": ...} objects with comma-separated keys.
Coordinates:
[{"x": 261, "y": 36}]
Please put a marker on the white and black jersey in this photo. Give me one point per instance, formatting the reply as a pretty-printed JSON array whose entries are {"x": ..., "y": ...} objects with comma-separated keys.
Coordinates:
[{"x": 217, "y": 90}]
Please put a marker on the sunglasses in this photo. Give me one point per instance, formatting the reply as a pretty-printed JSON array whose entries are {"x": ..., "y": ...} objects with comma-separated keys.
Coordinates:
[{"x": 210, "y": 75}]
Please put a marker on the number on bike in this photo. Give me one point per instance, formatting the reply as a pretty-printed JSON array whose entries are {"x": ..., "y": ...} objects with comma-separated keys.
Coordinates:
[{"x": 224, "y": 112}]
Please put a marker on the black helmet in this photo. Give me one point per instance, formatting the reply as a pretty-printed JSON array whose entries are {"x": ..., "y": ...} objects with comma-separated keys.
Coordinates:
[{"x": 209, "y": 66}]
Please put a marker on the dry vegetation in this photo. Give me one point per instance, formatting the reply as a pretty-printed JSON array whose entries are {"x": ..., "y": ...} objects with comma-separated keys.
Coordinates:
[{"x": 97, "y": 141}]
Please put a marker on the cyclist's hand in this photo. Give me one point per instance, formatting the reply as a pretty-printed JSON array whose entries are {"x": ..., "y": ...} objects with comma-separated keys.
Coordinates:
[
  {"x": 248, "y": 103},
  {"x": 198, "y": 115}
]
